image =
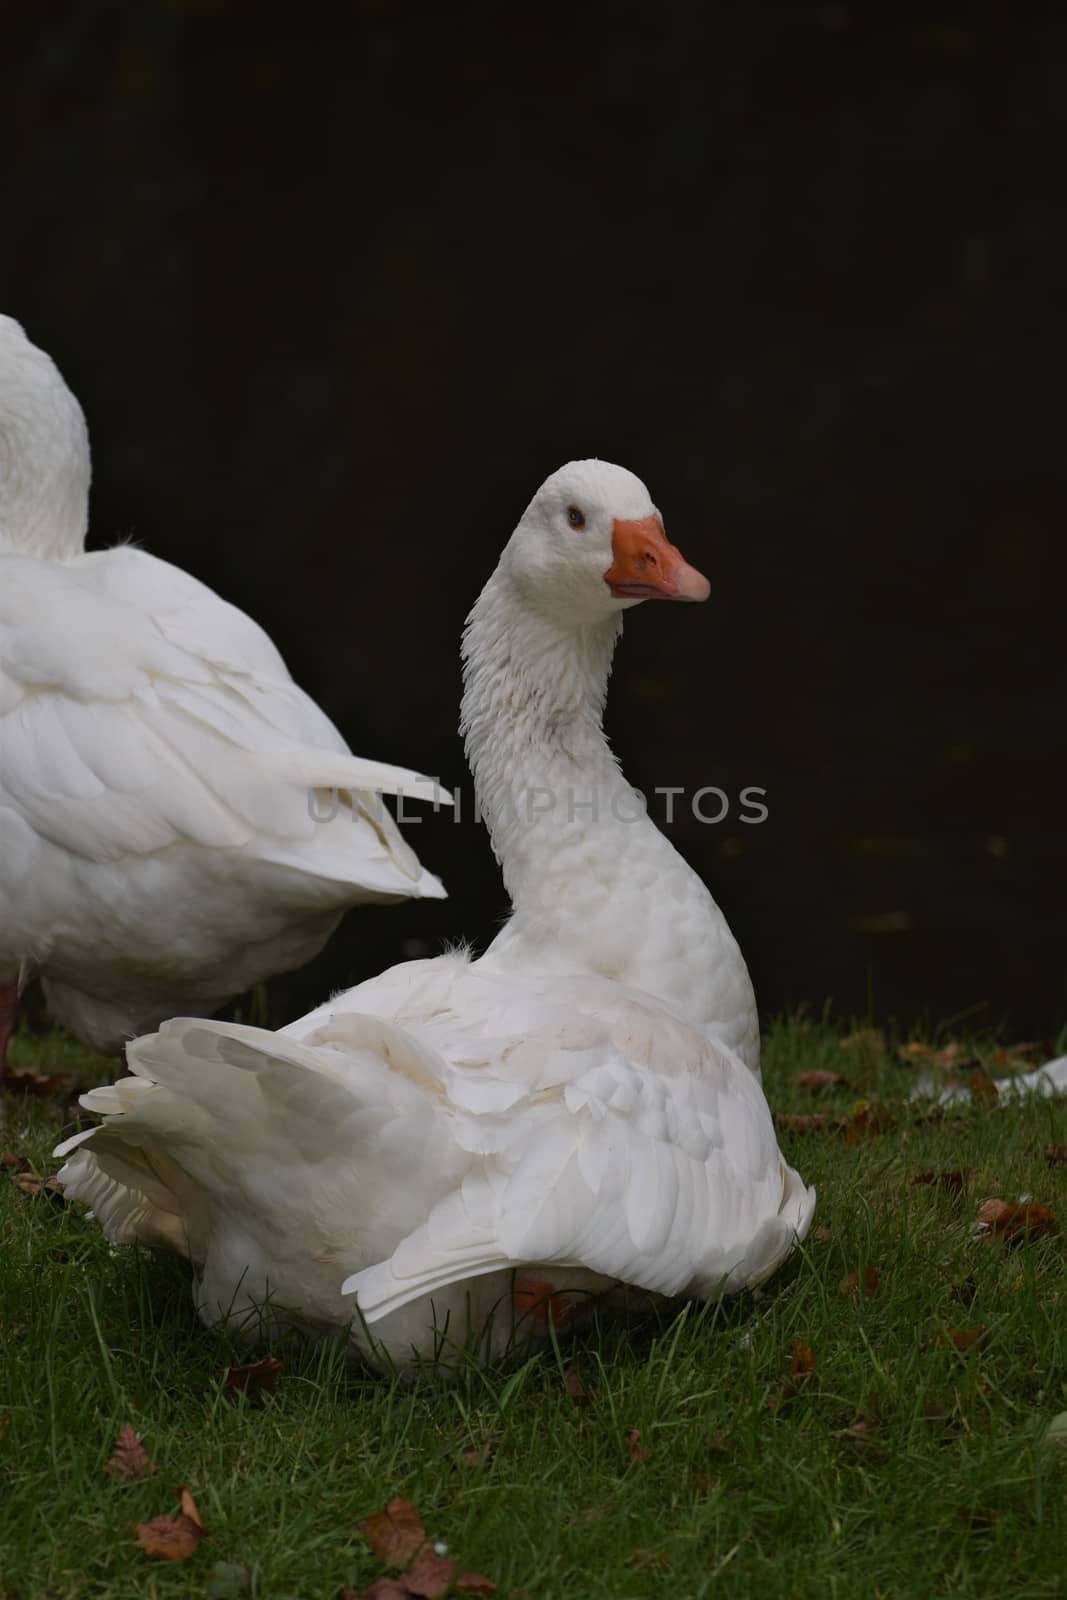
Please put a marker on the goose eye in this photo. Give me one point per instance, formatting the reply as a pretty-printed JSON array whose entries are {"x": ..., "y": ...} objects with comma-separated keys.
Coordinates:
[{"x": 575, "y": 517}]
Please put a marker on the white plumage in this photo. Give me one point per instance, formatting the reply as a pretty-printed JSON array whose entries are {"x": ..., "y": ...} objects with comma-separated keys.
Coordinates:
[
  {"x": 457, "y": 1143},
  {"x": 159, "y": 848}
]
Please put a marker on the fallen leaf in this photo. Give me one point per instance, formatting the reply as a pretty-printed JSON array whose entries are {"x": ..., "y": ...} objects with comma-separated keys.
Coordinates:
[
  {"x": 1027, "y": 1221},
  {"x": 963, "y": 1338},
  {"x": 385, "y": 1589},
  {"x": 801, "y": 1361},
  {"x": 851, "y": 1284},
  {"x": 815, "y": 1081},
  {"x": 914, "y": 1050},
  {"x": 472, "y": 1458},
  {"x": 955, "y": 1178},
  {"x": 821, "y": 1234},
  {"x": 128, "y": 1459},
  {"x": 948, "y": 1056},
  {"x": 430, "y": 1575},
  {"x": 575, "y": 1387},
  {"x": 10, "y": 1162},
  {"x": 170, "y": 1538},
  {"x": 867, "y": 1119},
  {"x": 1056, "y": 1155},
  {"x": 983, "y": 1087},
  {"x": 255, "y": 1380},
  {"x": 475, "y": 1583},
  {"x": 189, "y": 1508},
  {"x": 990, "y": 1211},
  {"x": 395, "y": 1534},
  {"x": 1016, "y": 1223},
  {"x": 44, "y": 1085},
  {"x": 635, "y": 1450},
  {"x": 31, "y": 1184}
]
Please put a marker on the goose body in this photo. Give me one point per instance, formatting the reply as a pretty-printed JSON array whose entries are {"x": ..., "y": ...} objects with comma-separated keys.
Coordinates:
[
  {"x": 159, "y": 845},
  {"x": 469, "y": 1147}
]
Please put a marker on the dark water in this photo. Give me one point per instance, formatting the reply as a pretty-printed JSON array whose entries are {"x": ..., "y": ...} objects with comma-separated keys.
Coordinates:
[{"x": 336, "y": 298}]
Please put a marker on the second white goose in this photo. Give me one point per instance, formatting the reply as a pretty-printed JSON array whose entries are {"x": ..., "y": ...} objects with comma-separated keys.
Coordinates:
[
  {"x": 157, "y": 846},
  {"x": 461, "y": 1145}
]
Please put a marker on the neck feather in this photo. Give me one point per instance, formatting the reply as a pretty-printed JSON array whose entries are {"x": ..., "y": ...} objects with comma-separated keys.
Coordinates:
[
  {"x": 595, "y": 886},
  {"x": 533, "y": 704},
  {"x": 44, "y": 460}
]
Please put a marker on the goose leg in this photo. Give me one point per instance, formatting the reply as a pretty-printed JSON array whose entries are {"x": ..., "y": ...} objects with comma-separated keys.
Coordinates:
[{"x": 9, "y": 1006}]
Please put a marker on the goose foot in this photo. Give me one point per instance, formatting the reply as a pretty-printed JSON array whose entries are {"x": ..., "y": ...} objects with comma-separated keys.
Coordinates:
[{"x": 9, "y": 1006}]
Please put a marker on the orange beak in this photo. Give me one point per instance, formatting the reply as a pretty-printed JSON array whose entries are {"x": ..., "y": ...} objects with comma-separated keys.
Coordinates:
[{"x": 648, "y": 567}]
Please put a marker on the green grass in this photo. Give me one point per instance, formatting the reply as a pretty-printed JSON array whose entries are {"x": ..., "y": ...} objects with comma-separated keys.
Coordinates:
[{"x": 744, "y": 1490}]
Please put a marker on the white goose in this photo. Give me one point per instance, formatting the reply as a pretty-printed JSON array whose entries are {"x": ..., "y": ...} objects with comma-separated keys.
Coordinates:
[
  {"x": 158, "y": 850},
  {"x": 457, "y": 1143}
]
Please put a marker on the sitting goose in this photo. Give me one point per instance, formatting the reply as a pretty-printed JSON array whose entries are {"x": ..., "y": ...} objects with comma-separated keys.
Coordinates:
[
  {"x": 468, "y": 1145},
  {"x": 158, "y": 851}
]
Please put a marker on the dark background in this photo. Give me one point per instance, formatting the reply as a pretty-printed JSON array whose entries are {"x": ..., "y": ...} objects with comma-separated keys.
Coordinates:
[{"x": 338, "y": 287}]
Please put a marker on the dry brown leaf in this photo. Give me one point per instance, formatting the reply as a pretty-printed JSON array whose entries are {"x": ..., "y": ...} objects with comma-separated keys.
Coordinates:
[
  {"x": 1056, "y": 1155},
  {"x": 128, "y": 1459},
  {"x": 821, "y": 1234},
  {"x": 963, "y": 1338},
  {"x": 44, "y": 1085},
  {"x": 1024, "y": 1221},
  {"x": 255, "y": 1380},
  {"x": 949, "y": 1056},
  {"x": 867, "y": 1119},
  {"x": 982, "y": 1087},
  {"x": 385, "y": 1589},
  {"x": 189, "y": 1507},
  {"x": 851, "y": 1284},
  {"x": 472, "y": 1458},
  {"x": 990, "y": 1211},
  {"x": 430, "y": 1576},
  {"x": 816, "y": 1081},
  {"x": 635, "y": 1450},
  {"x": 31, "y": 1184},
  {"x": 955, "y": 1179},
  {"x": 801, "y": 1368},
  {"x": 170, "y": 1538},
  {"x": 801, "y": 1361},
  {"x": 475, "y": 1583},
  {"x": 10, "y": 1162},
  {"x": 914, "y": 1051},
  {"x": 396, "y": 1533}
]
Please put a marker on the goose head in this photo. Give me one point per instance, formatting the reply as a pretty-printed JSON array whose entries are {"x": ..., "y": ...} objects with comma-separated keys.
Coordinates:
[
  {"x": 44, "y": 453},
  {"x": 591, "y": 544}
]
